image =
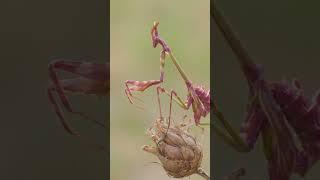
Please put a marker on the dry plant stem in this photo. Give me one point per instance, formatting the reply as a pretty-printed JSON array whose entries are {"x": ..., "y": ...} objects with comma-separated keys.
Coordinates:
[{"x": 203, "y": 174}]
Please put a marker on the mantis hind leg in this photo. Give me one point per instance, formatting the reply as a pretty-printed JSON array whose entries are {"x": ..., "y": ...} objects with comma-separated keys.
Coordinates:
[
  {"x": 241, "y": 141},
  {"x": 229, "y": 135},
  {"x": 175, "y": 98},
  {"x": 75, "y": 85},
  {"x": 232, "y": 137},
  {"x": 161, "y": 90}
]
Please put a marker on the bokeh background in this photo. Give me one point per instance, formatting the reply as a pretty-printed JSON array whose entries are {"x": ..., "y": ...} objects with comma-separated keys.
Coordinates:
[
  {"x": 284, "y": 38},
  {"x": 34, "y": 145},
  {"x": 185, "y": 27}
]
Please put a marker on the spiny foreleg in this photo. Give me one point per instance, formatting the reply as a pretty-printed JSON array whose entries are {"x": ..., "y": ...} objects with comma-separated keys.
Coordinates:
[{"x": 95, "y": 73}]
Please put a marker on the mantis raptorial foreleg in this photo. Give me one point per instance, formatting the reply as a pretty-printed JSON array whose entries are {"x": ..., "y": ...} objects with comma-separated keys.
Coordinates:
[{"x": 93, "y": 80}]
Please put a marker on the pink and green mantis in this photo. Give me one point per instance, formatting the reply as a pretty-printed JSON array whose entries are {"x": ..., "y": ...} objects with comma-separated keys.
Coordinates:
[
  {"x": 274, "y": 107},
  {"x": 93, "y": 80},
  {"x": 198, "y": 97}
]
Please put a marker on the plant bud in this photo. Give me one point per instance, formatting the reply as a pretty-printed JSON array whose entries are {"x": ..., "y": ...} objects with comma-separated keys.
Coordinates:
[{"x": 179, "y": 152}]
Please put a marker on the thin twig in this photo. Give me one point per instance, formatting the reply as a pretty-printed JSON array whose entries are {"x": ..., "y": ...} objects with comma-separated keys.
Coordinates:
[{"x": 203, "y": 174}]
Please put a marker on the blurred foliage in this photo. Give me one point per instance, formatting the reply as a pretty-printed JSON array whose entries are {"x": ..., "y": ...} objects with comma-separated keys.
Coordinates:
[{"x": 185, "y": 26}]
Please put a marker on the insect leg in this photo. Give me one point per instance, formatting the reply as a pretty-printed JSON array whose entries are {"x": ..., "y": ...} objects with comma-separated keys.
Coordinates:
[
  {"x": 59, "y": 113},
  {"x": 250, "y": 129},
  {"x": 132, "y": 85},
  {"x": 170, "y": 108},
  {"x": 95, "y": 72},
  {"x": 158, "y": 95},
  {"x": 88, "y": 70},
  {"x": 176, "y": 98},
  {"x": 159, "y": 89},
  {"x": 76, "y": 85}
]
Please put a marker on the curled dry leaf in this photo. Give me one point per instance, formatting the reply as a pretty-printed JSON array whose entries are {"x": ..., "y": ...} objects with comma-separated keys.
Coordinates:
[{"x": 178, "y": 150}]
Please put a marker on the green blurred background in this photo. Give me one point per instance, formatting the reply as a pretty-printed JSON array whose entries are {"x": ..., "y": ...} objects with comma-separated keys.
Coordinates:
[{"x": 185, "y": 26}]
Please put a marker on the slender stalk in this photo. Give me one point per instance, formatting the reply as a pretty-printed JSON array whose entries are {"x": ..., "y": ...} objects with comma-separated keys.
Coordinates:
[{"x": 203, "y": 174}]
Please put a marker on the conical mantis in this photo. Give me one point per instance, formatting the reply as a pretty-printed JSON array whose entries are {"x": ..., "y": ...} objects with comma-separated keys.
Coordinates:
[
  {"x": 274, "y": 107},
  {"x": 198, "y": 97}
]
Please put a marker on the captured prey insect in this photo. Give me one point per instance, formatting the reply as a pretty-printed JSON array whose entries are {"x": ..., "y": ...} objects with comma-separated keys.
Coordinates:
[
  {"x": 198, "y": 97},
  {"x": 274, "y": 108},
  {"x": 93, "y": 80}
]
